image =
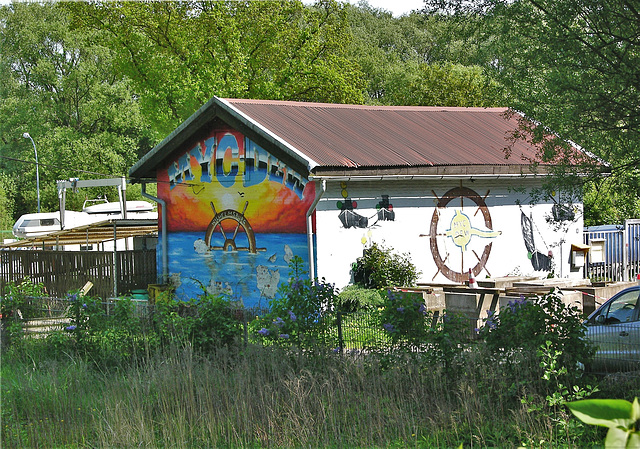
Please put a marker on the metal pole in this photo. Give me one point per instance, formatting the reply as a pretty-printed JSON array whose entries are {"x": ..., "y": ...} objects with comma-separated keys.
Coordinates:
[
  {"x": 27, "y": 136},
  {"x": 116, "y": 271}
]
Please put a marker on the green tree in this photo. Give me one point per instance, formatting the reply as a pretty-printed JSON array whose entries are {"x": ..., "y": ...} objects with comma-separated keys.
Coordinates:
[
  {"x": 6, "y": 204},
  {"x": 574, "y": 66},
  {"x": 449, "y": 84},
  {"x": 419, "y": 60},
  {"x": 60, "y": 86},
  {"x": 180, "y": 54}
]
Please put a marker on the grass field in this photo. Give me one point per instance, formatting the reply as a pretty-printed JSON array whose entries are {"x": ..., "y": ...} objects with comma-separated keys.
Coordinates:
[{"x": 266, "y": 397}]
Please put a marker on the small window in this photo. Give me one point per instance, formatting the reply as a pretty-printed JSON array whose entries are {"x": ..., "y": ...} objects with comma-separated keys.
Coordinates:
[{"x": 47, "y": 221}]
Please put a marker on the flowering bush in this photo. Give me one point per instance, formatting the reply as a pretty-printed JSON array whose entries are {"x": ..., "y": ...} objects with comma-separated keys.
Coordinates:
[
  {"x": 404, "y": 318},
  {"x": 407, "y": 322},
  {"x": 298, "y": 313},
  {"x": 86, "y": 316}
]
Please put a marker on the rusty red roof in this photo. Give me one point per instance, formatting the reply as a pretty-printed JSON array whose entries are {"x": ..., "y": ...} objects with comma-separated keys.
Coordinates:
[
  {"x": 328, "y": 138},
  {"x": 337, "y": 135}
]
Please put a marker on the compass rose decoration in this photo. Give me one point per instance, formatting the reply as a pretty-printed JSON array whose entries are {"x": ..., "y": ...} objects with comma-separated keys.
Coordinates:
[{"x": 463, "y": 230}]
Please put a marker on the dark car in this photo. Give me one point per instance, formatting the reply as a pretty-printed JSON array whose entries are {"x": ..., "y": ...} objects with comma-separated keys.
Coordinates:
[{"x": 615, "y": 330}]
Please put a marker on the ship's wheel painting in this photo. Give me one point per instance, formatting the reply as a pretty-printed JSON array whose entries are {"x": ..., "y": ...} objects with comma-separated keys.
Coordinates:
[
  {"x": 463, "y": 230},
  {"x": 230, "y": 218}
]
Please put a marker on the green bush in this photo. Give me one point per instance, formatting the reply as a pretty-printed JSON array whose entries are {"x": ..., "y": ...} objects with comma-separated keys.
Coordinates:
[
  {"x": 380, "y": 267},
  {"x": 86, "y": 318},
  {"x": 19, "y": 299},
  {"x": 298, "y": 314},
  {"x": 17, "y": 305},
  {"x": 404, "y": 318},
  {"x": 218, "y": 322},
  {"x": 526, "y": 325},
  {"x": 207, "y": 322},
  {"x": 440, "y": 339},
  {"x": 355, "y": 298}
]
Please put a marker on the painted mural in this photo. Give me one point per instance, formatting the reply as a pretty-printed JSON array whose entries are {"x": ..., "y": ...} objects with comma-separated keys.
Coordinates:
[
  {"x": 539, "y": 251},
  {"x": 539, "y": 261},
  {"x": 460, "y": 234},
  {"x": 236, "y": 216},
  {"x": 351, "y": 219}
]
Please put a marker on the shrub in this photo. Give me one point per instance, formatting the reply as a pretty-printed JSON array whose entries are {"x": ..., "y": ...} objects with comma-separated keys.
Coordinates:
[
  {"x": 17, "y": 305},
  {"x": 355, "y": 298},
  {"x": 404, "y": 317},
  {"x": 380, "y": 267},
  {"x": 526, "y": 325},
  {"x": 207, "y": 322},
  {"x": 218, "y": 322},
  {"x": 298, "y": 314},
  {"x": 86, "y": 317},
  {"x": 20, "y": 297}
]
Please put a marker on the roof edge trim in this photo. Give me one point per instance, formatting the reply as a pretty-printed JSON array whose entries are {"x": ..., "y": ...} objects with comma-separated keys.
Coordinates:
[
  {"x": 423, "y": 176},
  {"x": 311, "y": 164},
  {"x": 172, "y": 135}
]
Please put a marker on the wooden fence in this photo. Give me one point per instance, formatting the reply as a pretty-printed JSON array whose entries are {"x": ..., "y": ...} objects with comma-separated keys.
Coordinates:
[{"x": 63, "y": 271}]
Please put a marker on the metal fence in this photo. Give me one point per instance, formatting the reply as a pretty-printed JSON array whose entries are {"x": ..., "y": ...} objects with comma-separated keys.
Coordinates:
[
  {"x": 353, "y": 333},
  {"x": 614, "y": 252},
  {"x": 112, "y": 274}
]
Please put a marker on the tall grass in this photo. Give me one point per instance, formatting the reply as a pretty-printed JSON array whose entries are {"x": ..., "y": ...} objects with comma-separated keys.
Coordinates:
[{"x": 269, "y": 397}]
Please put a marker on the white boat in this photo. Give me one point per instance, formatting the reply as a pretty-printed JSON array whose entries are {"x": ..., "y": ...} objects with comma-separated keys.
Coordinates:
[
  {"x": 113, "y": 208},
  {"x": 34, "y": 225}
]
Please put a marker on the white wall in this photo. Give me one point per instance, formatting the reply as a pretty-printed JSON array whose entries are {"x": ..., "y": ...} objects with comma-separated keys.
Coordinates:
[{"x": 414, "y": 203}]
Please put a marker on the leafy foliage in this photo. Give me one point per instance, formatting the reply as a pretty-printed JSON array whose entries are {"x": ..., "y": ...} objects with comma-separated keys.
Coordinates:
[
  {"x": 60, "y": 85},
  {"x": 207, "y": 322},
  {"x": 18, "y": 305},
  {"x": 180, "y": 54},
  {"x": 448, "y": 84},
  {"x": 6, "y": 202},
  {"x": 354, "y": 298},
  {"x": 620, "y": 416},
  {"x": 298, "y": 314},
  {"x": 404, "y": 317},
  {"x": 526, "y": 325},
  {"x": 19, "y": 299},
  {"x": 410, "y": 326},
  {"x": 573, "y": 66},
  {"x": 380, "y": 267}
]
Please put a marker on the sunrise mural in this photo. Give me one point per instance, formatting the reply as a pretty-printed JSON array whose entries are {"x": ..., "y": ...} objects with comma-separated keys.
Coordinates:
[{"x": 235, "y": 216}]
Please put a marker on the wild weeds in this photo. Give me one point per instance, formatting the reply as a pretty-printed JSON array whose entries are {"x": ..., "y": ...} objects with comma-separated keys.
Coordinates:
[{"x": 178, "y": 384}]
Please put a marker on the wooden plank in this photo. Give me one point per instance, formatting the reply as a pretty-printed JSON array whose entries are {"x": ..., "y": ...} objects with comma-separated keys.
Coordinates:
[{"x": 63, "y": 271}]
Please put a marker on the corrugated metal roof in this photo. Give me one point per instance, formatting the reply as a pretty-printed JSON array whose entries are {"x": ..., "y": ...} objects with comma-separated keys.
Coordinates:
[
  {"x": 326, "y": 138},
  {"x": 88, "y": 234},
  {"x": 337, "y": 135}
]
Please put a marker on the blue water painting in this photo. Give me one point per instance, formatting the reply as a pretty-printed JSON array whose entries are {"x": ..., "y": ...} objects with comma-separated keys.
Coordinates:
[{"x": 251, "y": 279}]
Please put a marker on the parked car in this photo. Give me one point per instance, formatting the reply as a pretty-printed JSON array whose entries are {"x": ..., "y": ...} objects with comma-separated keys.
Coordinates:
[{"x": 614, "y": 328}]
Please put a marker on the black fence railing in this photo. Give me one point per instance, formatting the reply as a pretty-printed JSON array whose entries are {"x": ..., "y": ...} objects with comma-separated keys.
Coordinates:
[{"x": 617, "y": 345}]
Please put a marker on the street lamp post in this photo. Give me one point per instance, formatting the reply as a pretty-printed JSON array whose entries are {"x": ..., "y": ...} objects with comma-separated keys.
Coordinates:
[{"x": 27, "y": 136}]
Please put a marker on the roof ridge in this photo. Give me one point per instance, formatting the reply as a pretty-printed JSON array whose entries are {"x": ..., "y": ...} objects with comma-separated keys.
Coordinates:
[{"x": 309, "y": 104}]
